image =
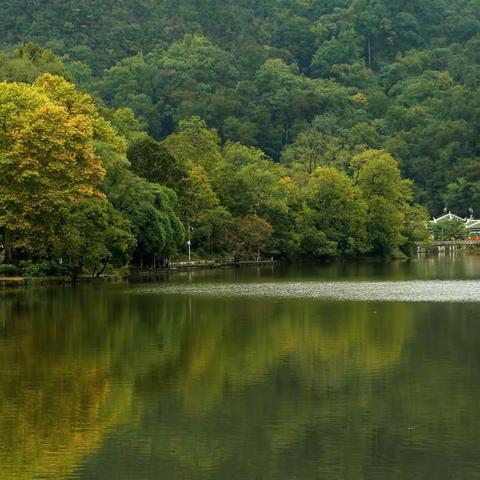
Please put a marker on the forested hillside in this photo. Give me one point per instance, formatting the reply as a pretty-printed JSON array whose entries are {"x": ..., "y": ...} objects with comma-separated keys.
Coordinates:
[
  {"x": 382, "y": 73},
  {"x": 244, "y": 100}
]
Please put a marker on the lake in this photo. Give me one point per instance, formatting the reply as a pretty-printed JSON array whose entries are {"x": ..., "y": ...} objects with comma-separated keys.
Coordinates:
[{"x": 345, "y": 371}]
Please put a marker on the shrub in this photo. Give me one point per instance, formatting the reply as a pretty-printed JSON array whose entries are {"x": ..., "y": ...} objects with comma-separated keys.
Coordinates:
[
  {"x": 47, "y": 268},
  {"x": 7, "y": 270}
]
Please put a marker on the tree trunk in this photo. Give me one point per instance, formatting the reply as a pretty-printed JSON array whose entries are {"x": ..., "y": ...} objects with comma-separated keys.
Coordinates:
[
  {"x": 76, "y": 272},
  {"x": 7, "y": 247},
  {"x": 104, "y": 266}
]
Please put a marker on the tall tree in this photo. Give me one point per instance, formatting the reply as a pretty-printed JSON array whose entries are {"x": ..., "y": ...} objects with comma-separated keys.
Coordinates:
[
  {"x": 386, "y": 194},
  {"x": 47, "y": 161},
  {"x": 336, "y": 215}
]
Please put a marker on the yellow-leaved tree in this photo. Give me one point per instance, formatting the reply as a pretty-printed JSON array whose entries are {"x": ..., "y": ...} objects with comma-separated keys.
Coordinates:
[{"x": 51, "y": 142}]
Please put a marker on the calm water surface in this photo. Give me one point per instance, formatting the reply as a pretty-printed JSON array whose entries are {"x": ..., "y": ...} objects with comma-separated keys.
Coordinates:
[{"x": 365, "y": 371}]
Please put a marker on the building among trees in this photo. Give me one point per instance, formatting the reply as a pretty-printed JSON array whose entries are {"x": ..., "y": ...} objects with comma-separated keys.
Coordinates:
[{"x": 451, "y": 226}]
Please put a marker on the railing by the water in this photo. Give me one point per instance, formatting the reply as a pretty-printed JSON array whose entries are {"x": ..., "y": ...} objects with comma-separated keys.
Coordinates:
[
  {"x": 446, "y": 245},
  {"x": 458, "y": 243},
  {"x": 450, "y": 243},
  {"x": 137, "y": 271}
]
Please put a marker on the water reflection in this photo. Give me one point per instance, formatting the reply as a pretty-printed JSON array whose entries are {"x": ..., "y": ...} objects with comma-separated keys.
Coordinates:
[
  {"x": 102, "y": 383},
  {"x": 56, "y": 396}
]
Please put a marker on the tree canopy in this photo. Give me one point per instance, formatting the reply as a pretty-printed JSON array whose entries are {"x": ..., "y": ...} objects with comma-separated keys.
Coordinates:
[{"x": 222, "y": 114}]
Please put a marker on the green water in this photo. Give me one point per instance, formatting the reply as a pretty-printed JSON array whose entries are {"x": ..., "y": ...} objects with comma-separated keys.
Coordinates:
[{"x": 366, "y": 371}]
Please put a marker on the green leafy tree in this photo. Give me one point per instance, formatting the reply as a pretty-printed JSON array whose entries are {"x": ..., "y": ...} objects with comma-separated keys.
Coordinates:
[
  {"x": 128, "y": 125},
  {"x": 463, "y": 195},
  {"x": 415, "y": 227},
  {"x": 27, "y": 62},
  {"x": 335, "y": 215},
  {"x": 449, "y": 230},
  {"x": 385, "y": 194},
  {"x": 151, "y": 160},
  {"x": 312, "y": 149},
  {"x": 151, "y": 211},
  {"x": 93, "y": 236},
  {"x": 194, "y": 143},
  {"x": 200, "y": 209}
]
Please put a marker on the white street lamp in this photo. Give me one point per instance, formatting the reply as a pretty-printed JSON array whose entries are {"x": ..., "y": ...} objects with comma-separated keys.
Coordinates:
[{"x": 189, "y": 243}]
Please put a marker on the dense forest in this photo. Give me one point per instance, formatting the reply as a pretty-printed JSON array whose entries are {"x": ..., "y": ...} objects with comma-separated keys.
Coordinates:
[{"x": 297, "y": 129}]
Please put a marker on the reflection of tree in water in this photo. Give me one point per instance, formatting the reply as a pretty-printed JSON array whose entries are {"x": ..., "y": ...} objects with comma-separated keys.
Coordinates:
[
  {"x": 56, "y": 396},
  {"x": 324, "y": 342},
  {"x": 309, "y": 390},
  {"x": 254, "y": 379},
  {"x": 244, "y": 388}
]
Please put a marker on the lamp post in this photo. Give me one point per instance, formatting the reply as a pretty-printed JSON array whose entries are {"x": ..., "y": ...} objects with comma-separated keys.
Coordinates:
[{"x": 189, "y": 243}]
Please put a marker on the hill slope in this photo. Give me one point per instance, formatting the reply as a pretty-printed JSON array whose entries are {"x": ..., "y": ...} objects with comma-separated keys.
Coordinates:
[{"x": 294, "y": 78}]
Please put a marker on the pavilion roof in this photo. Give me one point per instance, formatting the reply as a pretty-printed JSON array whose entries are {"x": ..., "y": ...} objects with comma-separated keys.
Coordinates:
[
  {"x": 449, "y": 216},
  {"x": 473, "y": 223}
]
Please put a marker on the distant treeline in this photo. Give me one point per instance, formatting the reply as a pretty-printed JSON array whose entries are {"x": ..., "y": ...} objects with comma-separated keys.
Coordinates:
[
  {"x": 269, "y": 127},
  {"x": 350, "y": 74}
]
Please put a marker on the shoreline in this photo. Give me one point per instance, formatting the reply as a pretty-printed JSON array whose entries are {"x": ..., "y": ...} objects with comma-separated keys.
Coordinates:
[
  {"x": 135, "y": 274},
  {"x": 150, "y": 274},
  {"x": 25, "y": 282}
]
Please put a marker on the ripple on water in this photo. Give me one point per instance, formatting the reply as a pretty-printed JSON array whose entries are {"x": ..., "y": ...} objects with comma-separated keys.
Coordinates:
[{"x": 407, "y": 291}]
